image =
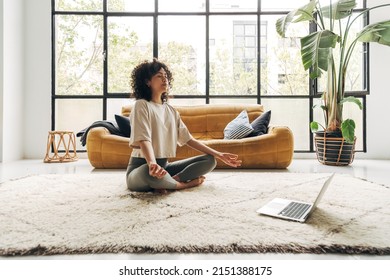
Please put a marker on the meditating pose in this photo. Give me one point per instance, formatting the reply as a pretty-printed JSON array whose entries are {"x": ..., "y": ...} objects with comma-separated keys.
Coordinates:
[{"x": 156, "y": 130}]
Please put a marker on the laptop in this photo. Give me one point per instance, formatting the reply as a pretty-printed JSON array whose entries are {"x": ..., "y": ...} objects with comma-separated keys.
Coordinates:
[{"x": 293, "y": 210}]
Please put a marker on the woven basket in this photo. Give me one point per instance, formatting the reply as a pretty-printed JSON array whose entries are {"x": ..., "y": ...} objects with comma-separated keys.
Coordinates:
[{"x": 334, "y": 150}]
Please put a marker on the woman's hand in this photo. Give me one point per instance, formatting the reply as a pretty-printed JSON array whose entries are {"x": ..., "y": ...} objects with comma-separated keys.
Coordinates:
[
  {"x": 230, "y": 159},
  {"x": 156, "y": 171}
]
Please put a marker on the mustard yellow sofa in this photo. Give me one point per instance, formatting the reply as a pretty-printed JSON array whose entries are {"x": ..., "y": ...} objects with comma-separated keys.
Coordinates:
[{"x": 206, "y": 123}]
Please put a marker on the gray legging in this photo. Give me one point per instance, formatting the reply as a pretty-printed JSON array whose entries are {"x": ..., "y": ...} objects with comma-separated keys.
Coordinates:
[{"x": 138, "y": 178}]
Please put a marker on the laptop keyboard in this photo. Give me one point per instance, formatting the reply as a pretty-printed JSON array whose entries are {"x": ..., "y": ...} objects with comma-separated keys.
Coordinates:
[{"x": 294, "y": 210}]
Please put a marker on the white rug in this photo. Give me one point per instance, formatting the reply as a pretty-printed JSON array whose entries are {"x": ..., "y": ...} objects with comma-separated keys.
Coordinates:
[{"x": 95, "y": 213}]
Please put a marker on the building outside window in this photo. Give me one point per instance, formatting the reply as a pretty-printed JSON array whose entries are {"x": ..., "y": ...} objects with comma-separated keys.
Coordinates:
[{"x": 220, "y": 51}]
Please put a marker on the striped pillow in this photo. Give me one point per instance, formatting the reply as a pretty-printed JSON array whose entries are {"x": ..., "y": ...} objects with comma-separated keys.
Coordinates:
[{"x": 239, "y": 127}]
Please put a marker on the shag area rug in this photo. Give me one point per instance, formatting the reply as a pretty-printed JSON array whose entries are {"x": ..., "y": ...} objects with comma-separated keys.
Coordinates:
[{"x": 95, "y": 213}]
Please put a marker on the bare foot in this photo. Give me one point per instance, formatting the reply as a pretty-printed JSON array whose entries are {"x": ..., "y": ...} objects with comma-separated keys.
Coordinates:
[
  {"x": 190, "y": 184},
  {"x": 176, "y": 178}
]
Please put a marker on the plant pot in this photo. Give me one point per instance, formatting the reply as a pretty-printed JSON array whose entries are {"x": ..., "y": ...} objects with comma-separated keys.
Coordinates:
[{"x": 333, "y": 150}]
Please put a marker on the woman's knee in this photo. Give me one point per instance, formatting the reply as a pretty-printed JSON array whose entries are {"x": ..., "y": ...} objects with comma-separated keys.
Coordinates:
[
  {"x": 211, "y": 161},
  {"x": 137, "y": 179},
  {"x": 140, "y": 180}
]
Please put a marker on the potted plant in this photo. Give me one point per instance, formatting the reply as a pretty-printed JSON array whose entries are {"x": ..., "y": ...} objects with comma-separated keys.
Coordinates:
[{"x": 317, "y": 53}]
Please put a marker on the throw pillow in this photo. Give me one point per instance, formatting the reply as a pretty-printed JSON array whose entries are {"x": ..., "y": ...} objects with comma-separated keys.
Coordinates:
[
  {"x": 260, "y": 124},
  {"x": 239, "y": 127},
  {"x": 123, "y": 124}
]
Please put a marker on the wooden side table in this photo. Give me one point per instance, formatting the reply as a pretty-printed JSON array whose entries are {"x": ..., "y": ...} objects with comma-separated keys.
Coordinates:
[{"x": 61, "y": 140}]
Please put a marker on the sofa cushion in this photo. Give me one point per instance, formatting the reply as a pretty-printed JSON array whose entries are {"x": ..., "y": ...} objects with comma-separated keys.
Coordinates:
[
  {"x": 260, "y": 124},
  {"x": 123, "y": 124},
  {"x": 239, "y": 127}
]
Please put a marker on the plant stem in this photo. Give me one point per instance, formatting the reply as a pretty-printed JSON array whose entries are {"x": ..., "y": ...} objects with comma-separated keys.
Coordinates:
[
  {"x": 319, "y": 11},
  {"x": 334, "y": 114}
]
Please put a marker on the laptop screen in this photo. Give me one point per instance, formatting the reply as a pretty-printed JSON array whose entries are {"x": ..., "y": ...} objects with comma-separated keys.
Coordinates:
[{"x": 323, "y": 190}]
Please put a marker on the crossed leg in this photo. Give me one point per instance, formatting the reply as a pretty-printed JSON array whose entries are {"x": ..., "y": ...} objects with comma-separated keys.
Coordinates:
[{"x": 182, "y": 174}]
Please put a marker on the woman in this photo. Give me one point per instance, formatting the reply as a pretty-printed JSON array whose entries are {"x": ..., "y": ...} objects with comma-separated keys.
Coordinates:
[{"x": 156, "y": 130}]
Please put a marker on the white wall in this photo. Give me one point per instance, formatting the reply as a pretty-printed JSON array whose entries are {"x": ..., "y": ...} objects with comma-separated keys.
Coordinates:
[
  {"x": 1, "y": 79},
  {"x": 378, "y": 129},
  {"x": 37, "y": 101},
  {"x": 37, "y": 81},
  {"x": 12, "y": 80}
]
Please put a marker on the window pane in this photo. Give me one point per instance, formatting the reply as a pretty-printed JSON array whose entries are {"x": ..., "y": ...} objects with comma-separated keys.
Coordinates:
[
  {"x": 78, "y": 5},
  {"x": 282, "y": 72},
  {"x": 114, "y": 106},
  {"x": 293, "y": 113},
  {"x": 233, "y": 6},
  {"x": 130, "y": 6},
  {"x": 77, "y": 114},
  {"x": 359, "y": 4},
  {"x": 282, "y": 5},
  {"x": 182, "y": 6},
  {"x": 185, "y": 55},
  {"x": 233, "y": 66},
  {"x": 187, "y": 101},
  {"x": 130, "y": 41},
  {"x": 233, "y": 101},
  {"x": 351, "y": 111},
  {"x": 354, "y": 80},
  {"x": 79, "y": 55},
  {"x": 288, "y": 5}
]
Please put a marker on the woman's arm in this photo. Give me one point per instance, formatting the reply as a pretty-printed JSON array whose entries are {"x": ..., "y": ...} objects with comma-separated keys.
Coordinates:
[
  {"x": 229, "y": 159},
  {"x": 155, "y": 170}
]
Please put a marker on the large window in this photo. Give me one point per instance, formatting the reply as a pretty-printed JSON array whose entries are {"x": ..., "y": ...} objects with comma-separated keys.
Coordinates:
[{"x": 220, "y": 51}]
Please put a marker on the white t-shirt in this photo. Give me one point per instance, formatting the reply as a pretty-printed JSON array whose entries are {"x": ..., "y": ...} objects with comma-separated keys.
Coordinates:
[{"x": 159, "y": 124}]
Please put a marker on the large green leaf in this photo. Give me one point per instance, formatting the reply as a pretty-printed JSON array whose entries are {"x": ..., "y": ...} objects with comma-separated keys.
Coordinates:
[
  {"x": 338, "y": 10},
  {"x": 304, "y": 13},
  {"x": 315, "y": 49},
  {"x": 348, "y": 130},
  {"x": 314, "y": 126},
  {"x": 378, "y": 32},
  {"x": 353, "y": 100}
]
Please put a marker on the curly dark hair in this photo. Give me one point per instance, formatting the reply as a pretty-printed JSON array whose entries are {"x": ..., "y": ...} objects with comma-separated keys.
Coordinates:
[{"x": 144, "y": 72}]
